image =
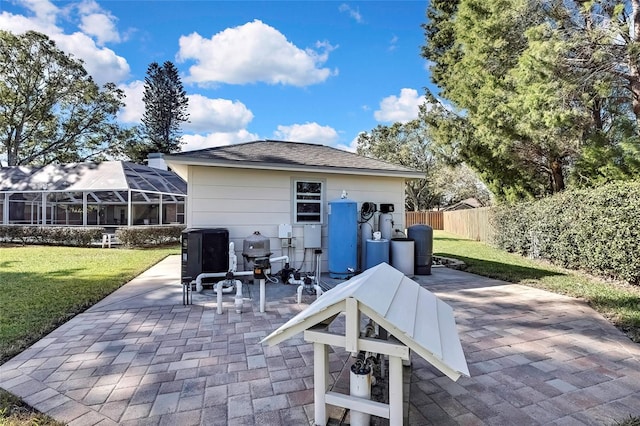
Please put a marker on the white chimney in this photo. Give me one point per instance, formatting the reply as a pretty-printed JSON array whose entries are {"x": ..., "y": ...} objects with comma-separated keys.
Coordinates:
[{"x": 156, "y": 160}]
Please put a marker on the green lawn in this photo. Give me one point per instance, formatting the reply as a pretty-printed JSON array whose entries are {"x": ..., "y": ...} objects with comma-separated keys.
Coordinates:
[
  {"x": 618, "y": 302},
  {"x": 42, "y": 287}
]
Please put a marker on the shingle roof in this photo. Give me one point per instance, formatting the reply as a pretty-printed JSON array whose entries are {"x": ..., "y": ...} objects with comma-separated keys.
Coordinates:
[{"x": 270, "y": 154}]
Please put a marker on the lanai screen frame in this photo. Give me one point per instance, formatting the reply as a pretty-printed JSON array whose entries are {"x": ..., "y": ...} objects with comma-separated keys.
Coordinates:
[{"x": 46, "y": 201}]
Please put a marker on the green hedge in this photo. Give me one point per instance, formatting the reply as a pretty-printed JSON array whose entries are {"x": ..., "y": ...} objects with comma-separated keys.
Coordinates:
[
  {"x": 53, "y": 235},
  {"x": 596, "y": 230},
  {"x": 144, "y": 236},
  {"x": 141, "y": 236}
]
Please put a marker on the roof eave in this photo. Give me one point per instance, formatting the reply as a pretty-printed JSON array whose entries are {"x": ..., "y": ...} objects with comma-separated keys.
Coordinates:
[{"x": 191, "y": 161}]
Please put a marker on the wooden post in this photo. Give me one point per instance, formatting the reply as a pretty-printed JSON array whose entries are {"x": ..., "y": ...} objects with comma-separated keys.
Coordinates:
[
  {"x": 395, "y": 391},
  {"x": 320, "y": 382}
]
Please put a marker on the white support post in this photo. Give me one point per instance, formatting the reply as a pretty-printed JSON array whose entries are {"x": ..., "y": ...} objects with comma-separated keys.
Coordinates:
[
  {"x": 395, "y": 391},
  {"x": 320, "y": 382},
  {"x": 262, "y": 293},
  {"x": 219, "y": 298},
  {"x": 44, "y": 208},
  {"x": 129, "y": 209},
  {"x": 352, "y": 325},
  {"x": 5, "y": 209},
  {"x": 84, "y": 208}
]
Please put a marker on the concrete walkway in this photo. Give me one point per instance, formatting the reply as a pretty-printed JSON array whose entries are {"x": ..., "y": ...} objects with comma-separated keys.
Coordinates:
[{"x": 141, "y": 357}]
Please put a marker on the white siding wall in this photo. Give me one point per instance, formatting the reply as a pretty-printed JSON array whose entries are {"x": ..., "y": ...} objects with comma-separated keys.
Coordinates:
[{"x": 244, "y": 201}]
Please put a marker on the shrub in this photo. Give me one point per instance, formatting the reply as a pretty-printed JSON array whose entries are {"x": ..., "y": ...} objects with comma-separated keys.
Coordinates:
[
  {"x": 144, "y": 236},
  {"x": 596, "y": 230},
  {"x": 53, "y": 235}
]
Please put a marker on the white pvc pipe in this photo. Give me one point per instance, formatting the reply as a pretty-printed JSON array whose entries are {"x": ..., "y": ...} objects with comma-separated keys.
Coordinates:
[
  {"x": 239, "y": 299},
  {"x": 299, "y": 291},
  {"x": 233, "y": 259},
  {"x": 219, "y": 300},
  {"x": 219, "y": 289},
  {"x": 202, "y": 276},
  {"x": 360, "y": 386},
  {"x": 262, "y": 293}
]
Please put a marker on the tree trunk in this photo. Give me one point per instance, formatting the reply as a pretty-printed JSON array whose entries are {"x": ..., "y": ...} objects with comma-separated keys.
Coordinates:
[
  {"x": 634, "y": 70},
  {"x": 557, "y": 177}
]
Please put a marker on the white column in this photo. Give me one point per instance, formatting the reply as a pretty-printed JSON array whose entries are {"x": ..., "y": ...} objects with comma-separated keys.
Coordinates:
[
  {"x": 160, "y": 211},
  {"x": 320, "y": 382},
  {"x": 84, "y": 208},
  {"x": 395, "y": 391},
  {"x": 5, "y": 209},
  {"x": 129, "y": 209},
  {"x": 44, "y": 208}
]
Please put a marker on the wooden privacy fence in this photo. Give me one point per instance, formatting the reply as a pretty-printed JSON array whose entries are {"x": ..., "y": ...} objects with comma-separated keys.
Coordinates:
[
  {"x": 470, "y": 223},
  {"x": 432, "y": 218}
]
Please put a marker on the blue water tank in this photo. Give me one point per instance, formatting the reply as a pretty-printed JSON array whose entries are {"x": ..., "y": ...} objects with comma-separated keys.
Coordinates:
[
  {"x": 377, "y": 252},
  {"x": 343, "y": 238}
]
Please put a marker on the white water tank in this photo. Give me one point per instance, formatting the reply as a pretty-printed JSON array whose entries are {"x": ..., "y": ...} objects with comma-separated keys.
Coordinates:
[
  {"x": 385, "y": 225},
  {"x": 402, "y": 255}
]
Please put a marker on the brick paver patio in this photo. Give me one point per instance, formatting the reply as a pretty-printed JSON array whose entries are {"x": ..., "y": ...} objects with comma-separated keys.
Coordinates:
[{"x": 141, "y": 357}]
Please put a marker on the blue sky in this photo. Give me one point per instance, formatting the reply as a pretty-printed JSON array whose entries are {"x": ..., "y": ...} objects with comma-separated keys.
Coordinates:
[{"x": 308, "y": 71}]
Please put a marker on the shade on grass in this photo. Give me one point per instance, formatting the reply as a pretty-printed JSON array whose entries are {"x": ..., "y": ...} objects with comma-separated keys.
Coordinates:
[
  {"x": 42, "y": 287},
  {"x": 617, "y": 301}
]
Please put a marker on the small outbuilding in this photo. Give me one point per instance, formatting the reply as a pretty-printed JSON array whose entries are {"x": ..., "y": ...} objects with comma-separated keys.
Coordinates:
[
  {"x": 283, "y": 191},
  {"x": 414, "y": 318}
]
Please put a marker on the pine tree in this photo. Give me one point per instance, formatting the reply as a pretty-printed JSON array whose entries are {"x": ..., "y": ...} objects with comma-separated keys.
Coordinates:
[{"x": 166, "y": 105}]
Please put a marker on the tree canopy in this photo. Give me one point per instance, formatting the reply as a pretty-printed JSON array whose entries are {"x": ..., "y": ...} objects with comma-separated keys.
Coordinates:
[
  {"x": 165, "y": 109},
  {"x": 409, "y": 145},
  {"x": 50, "y": 109},
  {"x": 535, "y": 95}
]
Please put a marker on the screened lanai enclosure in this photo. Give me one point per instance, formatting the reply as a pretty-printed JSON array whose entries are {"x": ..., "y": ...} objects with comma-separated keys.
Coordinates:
[{"x": 108, "y": 194}]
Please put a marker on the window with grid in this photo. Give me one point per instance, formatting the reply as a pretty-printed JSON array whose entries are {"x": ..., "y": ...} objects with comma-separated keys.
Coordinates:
[{"x": 308, "y": 201}]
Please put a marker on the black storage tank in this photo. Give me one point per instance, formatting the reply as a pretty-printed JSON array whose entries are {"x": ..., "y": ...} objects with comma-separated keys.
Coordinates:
[
  {"x": 423, "y": 236},
  {"x": 204, "y": 251}
]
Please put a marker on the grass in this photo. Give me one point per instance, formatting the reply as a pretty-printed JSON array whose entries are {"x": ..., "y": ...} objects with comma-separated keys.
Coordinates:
[
  {"x": 619, "y": 302},
  {"x": 42, "y": 287},
  {"x": 14, "y": 412}
]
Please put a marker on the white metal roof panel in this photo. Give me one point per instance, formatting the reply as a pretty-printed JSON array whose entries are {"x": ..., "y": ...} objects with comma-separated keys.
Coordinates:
[{"x": 78, "y": 177}]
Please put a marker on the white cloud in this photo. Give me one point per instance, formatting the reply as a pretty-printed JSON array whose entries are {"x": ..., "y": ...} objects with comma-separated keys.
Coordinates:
[
  {"x": 100, "y": 62},
  {"x": 253, "y": 52},
  {"x": 42, "y": 19},
  {"x": 352, "y": 147},
  {"x": 354, "y": 13},
  {"x": 308, "y": 132},
  {"x": 224, "y": 119},
  {"x": 134, "y": 105},
  {"x": 193, "y": 142},
  {"x": 98, "y": 23},
  {"x": 219, "y": 115},
  {"x": 393, "y": 43},
  {"x": 400, "y": 109}
]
